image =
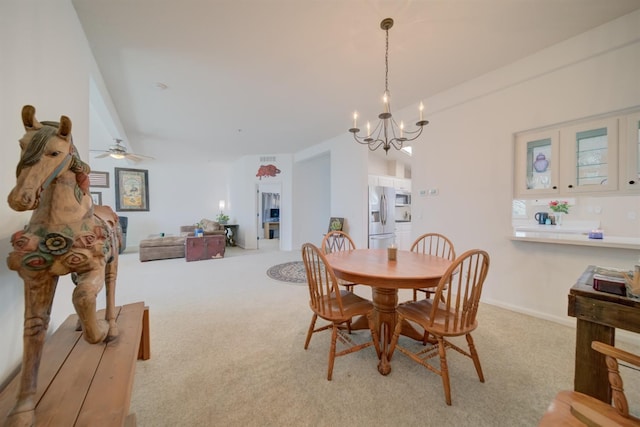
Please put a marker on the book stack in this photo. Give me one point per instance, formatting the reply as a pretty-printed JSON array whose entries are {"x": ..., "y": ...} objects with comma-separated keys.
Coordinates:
[{"x": 610, "y": 280}]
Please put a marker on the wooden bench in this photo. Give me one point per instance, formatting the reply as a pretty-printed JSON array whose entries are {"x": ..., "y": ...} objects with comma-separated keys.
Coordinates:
[{"x": 82, "y": 384}]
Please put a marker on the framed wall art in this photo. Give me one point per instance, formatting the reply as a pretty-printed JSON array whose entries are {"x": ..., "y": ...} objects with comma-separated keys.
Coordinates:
[
  {"x": 96, "y": 196},
  {"x": 99, "y": 179},
  {"x": 132, "y": 189}
]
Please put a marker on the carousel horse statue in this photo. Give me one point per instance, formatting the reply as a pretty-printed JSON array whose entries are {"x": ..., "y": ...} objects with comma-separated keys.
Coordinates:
[{"x": 66, "y": 234}]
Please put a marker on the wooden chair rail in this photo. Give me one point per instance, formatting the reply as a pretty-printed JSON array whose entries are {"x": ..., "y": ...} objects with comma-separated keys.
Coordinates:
[{"x": 82, "y": 384}]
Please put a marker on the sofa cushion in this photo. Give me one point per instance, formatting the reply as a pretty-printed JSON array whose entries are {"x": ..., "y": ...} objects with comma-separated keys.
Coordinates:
[{"x": 209, "y": 228}]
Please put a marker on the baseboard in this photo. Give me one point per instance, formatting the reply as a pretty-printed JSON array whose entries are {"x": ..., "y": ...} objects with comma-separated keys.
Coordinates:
[{"x": 621, "y": 335}]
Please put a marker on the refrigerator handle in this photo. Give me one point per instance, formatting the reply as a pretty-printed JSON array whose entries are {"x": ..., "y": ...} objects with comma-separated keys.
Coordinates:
[{"x": 383, "y": 209}]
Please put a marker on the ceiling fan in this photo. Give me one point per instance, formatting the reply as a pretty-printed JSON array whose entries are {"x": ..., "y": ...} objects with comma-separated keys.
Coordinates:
[{"x": 119, "y": 151}]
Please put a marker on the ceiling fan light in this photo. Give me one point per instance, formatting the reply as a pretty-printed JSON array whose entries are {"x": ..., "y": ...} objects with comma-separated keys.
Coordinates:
[{"x": 117, "y": 155}]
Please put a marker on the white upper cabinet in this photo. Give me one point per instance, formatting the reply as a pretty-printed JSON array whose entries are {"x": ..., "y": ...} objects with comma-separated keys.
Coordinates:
[
  {"x": 402, "y": 184},
  {"x": 589, "y": 156},
  {"x": 385, "y": 181},
  {"x": 537, "y": 157},
  {"x": 630, "y": 153}
]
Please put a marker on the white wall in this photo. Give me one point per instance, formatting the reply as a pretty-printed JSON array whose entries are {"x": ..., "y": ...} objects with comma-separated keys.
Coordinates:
[
  {"x": 45, "y": 62},
  {"x": 466, "y": 152},
  {"x": 312, "y": 186},
  {"x": 348, "y": 184}
]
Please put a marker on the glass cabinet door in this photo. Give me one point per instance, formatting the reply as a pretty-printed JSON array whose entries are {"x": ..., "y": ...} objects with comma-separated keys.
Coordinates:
[
  {"x": 536, "y": 165},
  {"x": 630, "y": 154},
  {"x": 589, "y": 157}
]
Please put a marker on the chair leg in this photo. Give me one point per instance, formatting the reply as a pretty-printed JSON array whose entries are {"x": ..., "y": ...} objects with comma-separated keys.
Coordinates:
[
  {"x": 427, "y": 294},
  {"x": 332, "y": 350},
  {"x": 444, "y": 370},
  {"x": 310, "y": 332},
  {"x": 474, "y": 357},
  {"x": 425, "y": 338}
]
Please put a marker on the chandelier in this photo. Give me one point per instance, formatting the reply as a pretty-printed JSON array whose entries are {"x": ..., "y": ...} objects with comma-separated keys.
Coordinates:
[{"x": 387, "y": 133}]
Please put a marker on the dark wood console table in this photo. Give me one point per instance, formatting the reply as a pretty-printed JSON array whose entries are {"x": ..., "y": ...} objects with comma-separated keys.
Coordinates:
[
  {"x": 231, "y": 231},
  {"x": 598, "y": 314}
]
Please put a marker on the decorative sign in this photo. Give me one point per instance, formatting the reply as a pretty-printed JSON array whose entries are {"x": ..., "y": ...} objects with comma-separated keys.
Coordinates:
[
  {"x": 267, "y": 171},
  {"x": 99, "y": 179}
]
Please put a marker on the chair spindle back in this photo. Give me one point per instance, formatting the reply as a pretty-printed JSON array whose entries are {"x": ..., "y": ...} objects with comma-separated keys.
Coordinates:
[
  {"x": 459, "y": 292},
  {"x": 324, "y": 292}
]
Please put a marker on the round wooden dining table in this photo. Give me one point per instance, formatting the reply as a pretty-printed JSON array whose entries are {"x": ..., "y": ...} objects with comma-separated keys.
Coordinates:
[{"x": 373, "y": 268}]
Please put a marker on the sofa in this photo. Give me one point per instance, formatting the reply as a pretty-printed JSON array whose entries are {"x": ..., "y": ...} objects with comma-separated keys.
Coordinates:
[
  {"x": 210, "y": 228},
  {"x": 167, "y": 247}
]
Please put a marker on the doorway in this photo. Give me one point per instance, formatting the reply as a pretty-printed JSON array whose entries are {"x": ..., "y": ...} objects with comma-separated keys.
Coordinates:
[{"x": 269, "y": 214}]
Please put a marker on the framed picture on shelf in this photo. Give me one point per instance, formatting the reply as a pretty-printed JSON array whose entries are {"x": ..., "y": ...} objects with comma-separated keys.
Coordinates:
[
  {"x": 99, "y": 179},
  {"x": 336, "y": 224},
  {"x": 132, "y": 189},
  {"x": 96, "y": 196}
]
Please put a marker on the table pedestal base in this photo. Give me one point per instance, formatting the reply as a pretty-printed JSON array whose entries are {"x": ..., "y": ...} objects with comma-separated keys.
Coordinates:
[{"x": 385, "y": 318}]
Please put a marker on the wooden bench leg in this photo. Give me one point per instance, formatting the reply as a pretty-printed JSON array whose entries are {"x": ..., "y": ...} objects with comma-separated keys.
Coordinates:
[{"x": 144, "y": 351}]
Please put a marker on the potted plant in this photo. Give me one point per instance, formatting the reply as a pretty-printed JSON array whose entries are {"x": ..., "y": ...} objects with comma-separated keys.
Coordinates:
[
  {"x": 558, "y": 208},
  {"x": 222, "y": 218},
  {"x": 199, "y": 230}
]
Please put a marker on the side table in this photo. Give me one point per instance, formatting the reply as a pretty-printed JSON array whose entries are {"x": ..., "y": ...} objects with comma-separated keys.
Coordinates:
[{"x": 598, "y": 314}]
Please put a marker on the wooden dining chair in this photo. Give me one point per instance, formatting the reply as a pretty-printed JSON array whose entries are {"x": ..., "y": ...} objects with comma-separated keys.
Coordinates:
[
  {"x": 335, "y": 241},
  {"x": 432, "y": 244},
  {"x": 450, "y": 313},
  {"x": 572, "y": 408},
  {"x": 334, "y": 305}
]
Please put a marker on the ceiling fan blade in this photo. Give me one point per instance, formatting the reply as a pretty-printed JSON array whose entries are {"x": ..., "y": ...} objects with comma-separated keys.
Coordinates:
[
  {"x": 103, "y": 155},
  {"x": 137, "y": 157}
]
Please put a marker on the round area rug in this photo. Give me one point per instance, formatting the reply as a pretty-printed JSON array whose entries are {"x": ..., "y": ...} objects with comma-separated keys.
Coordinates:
[{"x": 292, "y": 272}]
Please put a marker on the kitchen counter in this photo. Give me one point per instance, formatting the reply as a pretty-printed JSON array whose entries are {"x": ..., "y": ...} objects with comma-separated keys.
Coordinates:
[{"x": 565, "y": 238}]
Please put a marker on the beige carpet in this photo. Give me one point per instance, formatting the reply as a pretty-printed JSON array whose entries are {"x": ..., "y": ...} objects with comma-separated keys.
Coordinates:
[{"x": 227, "y": 350}]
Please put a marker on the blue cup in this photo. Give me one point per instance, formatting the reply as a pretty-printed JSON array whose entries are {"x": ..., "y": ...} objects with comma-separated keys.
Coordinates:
[{"x": 541, "y": 217}]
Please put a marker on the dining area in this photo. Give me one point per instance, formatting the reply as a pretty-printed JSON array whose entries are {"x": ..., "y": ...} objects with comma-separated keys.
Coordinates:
[{"x": 446, "y": 293}]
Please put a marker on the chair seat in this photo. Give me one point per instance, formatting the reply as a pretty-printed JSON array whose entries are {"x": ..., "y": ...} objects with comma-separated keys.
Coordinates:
[
  {"x": 419, "y": 311},
  {"x": 353, "y": 306},
  {"x": 571, "y": 408}
]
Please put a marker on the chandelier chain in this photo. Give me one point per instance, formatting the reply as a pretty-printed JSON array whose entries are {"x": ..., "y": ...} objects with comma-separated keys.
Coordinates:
[{"x": 386, "y": 64}]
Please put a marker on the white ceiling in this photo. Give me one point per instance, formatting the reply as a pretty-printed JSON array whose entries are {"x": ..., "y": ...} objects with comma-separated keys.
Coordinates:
[{"x": 275, "y": 76}]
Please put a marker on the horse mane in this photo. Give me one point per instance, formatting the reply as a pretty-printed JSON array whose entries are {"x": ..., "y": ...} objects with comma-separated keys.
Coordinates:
[{"x": 36, "y": 147}]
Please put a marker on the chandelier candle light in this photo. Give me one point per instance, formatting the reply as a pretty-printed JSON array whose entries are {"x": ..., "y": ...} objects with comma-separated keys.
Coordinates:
[{"x": 387, "y": 133}]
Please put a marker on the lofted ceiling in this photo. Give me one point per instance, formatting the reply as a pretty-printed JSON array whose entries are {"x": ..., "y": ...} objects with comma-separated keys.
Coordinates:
[{"x": 220, "y": 79}]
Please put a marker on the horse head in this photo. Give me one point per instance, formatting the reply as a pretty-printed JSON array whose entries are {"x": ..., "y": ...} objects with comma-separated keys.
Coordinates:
[{"x": 47, "y": 151}]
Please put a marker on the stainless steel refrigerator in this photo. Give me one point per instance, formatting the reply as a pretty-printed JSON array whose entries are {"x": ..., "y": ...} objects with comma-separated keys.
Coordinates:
[{"x": 382, "y": 223}]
